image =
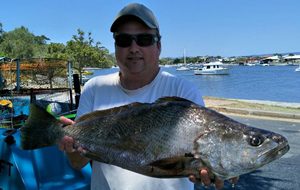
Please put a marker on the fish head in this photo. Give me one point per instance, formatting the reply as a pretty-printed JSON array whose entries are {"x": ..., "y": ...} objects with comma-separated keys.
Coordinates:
[{"x": 235, "y": 149}]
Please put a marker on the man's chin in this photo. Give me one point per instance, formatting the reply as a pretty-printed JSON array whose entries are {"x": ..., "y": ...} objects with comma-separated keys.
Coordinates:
[{"x": 135, "y": 67}]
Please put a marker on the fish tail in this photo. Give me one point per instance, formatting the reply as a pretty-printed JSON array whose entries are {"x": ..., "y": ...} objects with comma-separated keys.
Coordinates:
[{"x": 41, "y": 129}]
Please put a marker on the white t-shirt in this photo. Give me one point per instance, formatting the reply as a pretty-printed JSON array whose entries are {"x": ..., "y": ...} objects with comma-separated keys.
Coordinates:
[{"x": 103, "y": 92}]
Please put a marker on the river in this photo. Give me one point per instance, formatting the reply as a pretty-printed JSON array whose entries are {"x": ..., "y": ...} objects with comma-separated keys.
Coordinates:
[{"x": 272, "y": 83}]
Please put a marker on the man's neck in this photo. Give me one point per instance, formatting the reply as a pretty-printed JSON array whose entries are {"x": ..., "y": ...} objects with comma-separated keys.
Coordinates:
[{"x": 136, "y": 81}]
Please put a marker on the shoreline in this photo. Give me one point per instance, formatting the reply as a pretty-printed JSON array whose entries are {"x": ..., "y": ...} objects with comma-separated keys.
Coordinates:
[{"x": 283, "y": 111}]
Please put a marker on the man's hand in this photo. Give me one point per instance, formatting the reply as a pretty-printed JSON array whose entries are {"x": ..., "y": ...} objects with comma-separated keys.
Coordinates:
[
  {"x": 66, "y": 144},
  {"x": 207, "y": 181}
]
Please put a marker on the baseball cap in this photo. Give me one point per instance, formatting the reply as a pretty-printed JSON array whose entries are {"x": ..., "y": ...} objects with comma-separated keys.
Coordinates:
[{"x": 135, "y": 10}]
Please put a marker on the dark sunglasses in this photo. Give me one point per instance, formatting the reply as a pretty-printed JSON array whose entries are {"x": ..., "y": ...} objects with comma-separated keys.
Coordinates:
[{"x": 143, "y": 40}]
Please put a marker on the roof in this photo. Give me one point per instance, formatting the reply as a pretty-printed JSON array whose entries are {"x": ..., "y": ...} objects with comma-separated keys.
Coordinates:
[
  {"x": 291, "y": 57},
  {"x": 275, "y": 57}
]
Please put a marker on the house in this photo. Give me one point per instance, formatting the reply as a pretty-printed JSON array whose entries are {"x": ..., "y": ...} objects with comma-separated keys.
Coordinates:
[
  {"x": 291, "y": 58},
  {"x": 272, "y": 59}
]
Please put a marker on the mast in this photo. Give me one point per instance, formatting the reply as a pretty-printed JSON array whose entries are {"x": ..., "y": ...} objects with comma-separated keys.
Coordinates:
[{"x": 184, "y": 58}]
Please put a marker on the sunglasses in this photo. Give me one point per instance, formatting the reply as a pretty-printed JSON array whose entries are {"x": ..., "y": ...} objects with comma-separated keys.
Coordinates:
[{"x": 142, "y": 40}]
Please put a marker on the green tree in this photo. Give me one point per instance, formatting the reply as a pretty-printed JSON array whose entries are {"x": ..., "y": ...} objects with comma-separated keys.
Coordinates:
[
  {"x": 1, "y": 39},
  {"x": 20, "y": 43},
  {"x": 83, "y": 52},
  {"x": 1, "y": 32},
  {"x": 57, "y": 51},
  {"x": 166, "y": 61},
  {"x": 40, "y": 46}
]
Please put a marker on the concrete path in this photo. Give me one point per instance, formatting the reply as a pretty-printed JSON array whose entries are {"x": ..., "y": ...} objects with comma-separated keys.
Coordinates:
[{"x": 255, "y": 108}]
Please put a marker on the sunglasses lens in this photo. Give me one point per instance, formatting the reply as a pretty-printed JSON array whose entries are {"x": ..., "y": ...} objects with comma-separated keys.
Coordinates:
[
  {"x": 123, "y": 40},
  {"x": 143, "y": 40}
]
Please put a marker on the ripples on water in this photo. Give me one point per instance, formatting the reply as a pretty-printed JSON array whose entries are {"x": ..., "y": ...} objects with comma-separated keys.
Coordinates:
[{"x": 273, "y": 83}]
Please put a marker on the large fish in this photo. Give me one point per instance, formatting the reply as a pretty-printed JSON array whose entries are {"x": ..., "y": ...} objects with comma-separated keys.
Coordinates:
[{"x": 171, "y": 137}]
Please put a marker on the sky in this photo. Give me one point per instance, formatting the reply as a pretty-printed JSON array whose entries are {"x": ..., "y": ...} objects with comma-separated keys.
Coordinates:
[{"x": 196, "y": 27}]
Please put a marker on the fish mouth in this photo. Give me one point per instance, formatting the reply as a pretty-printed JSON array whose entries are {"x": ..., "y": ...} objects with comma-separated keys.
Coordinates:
[{"x": 275, "y": 153}]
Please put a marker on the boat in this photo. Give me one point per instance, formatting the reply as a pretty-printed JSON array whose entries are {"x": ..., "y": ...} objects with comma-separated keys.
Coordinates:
[
  {"x": 297, "y": 69},
  {"x": 182, "y": 68},
  {"x": 265, "y": 64},
  {"x": 250, "y": 64},
  {"x": 212, "y": 68},
  {"x": 44, "y": 168}
]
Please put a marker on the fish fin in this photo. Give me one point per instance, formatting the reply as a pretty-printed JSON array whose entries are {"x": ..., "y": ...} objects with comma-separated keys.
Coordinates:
[
  {"x": 179, "y": 166},
  {"x": 168, "y": 163},
  {"x": 94, "y": 156},
  {"x": 172, "y": 99},
  {"x": 135, "y": 106},
  {"x": 41, "y": 129}
]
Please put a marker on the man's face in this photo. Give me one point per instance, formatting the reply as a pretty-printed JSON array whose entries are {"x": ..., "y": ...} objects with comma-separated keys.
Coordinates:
[{"x": 136, "y": 59}]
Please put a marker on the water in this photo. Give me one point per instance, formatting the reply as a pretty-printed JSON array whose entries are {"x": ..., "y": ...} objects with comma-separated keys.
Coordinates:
[{"x": 273, "y": 83}]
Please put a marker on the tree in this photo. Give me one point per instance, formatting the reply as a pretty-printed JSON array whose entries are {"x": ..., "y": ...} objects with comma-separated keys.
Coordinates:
[
  {"x": 20, "y": 43},
  {"x": 57, "y": 51},
  {"x": 40, "y": 46},
  {"x": 1, "y": 32},
  {"x": 84, "y": 52},
  {"x": 1, "y": 39},
  {"x": 166, "y": 61}
]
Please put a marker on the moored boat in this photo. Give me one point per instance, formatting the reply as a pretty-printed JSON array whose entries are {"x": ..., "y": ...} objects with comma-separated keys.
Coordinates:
[
  {"x": 182, "y": 68},
  {"x": 212, "y": 68}
]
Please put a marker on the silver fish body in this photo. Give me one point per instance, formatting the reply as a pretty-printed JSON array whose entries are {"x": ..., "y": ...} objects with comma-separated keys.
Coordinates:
[{"x": 171, "y": 137}]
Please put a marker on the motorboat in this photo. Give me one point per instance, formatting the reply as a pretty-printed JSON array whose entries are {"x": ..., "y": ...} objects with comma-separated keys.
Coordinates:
[
  {"x": 212, "y": 68},
  {"x": 297, "y": 69},
  {"x": 39, "y": 169}
]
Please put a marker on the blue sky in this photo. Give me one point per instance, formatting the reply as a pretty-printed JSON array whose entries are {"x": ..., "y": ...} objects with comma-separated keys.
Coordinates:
[{"x": 201, "y": 27}]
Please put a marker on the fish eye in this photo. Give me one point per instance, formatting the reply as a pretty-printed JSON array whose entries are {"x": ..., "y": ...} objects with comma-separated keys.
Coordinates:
[{"x": 256, "y": 140}]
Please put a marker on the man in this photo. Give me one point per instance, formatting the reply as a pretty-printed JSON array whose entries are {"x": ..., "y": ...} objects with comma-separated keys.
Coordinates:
[{"x": 137, "y": 49}]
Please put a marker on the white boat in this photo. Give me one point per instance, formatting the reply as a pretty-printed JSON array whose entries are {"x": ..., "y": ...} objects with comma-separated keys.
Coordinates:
[
  {"x": 212, "y": 68},
  {"x": 297, "y": 69},
  {"x": 182, "y": 68},
  {"x": 250, "y": 64},
  {"x": 265, "y": 64}
]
